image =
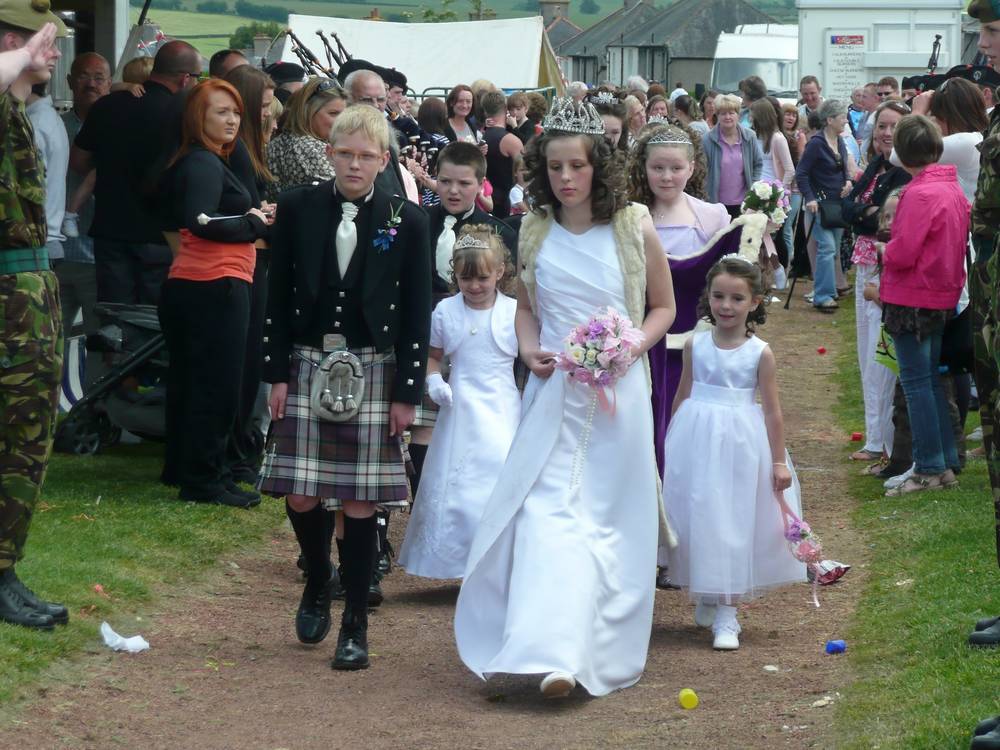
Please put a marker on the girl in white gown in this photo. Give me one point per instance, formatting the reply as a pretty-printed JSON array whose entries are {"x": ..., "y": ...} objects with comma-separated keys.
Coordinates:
[
  {"x": 559, "y": 579},
  {"x": 726, "y": 459},
  {"x": 480, "y": 408}
]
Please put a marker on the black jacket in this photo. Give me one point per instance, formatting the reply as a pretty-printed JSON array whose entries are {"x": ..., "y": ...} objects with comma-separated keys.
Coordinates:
[
  {"x": 436, "y": 215},
  {"x": 395, "y": 284},
  {"x": 854, "y": 209}
]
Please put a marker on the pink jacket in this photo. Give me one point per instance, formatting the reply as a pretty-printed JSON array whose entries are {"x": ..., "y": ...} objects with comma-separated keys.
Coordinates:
[{"x": 924, "y": 263}]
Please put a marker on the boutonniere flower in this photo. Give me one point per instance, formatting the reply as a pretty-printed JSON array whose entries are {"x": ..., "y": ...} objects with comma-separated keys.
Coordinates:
[{"x": 387, "y": 234}]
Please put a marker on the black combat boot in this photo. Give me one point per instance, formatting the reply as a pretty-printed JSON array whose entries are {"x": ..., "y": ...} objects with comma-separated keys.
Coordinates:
[{"x": 17, "y": 608}]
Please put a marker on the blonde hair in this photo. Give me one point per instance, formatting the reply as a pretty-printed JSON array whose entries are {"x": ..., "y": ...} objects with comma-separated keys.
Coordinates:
[
  {"x": 483, "y": 260},
  {"x": 306, "y": 102},
  {"x": 273, "y": 117},
  {"x": 727, "y": 103},
  {"x": 137, "y": 70},
  {"x": 364, "y": 119}
]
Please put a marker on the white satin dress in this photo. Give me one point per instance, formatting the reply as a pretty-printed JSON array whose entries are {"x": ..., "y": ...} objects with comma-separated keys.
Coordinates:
[{"x": 561, "y": 573}]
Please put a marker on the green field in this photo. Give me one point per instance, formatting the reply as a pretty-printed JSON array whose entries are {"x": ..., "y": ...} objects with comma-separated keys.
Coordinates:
[{"x": 210, "y": 32}]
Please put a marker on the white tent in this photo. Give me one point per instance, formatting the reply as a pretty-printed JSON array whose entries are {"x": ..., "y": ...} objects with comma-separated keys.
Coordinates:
[{"x": 512, "y": 53}]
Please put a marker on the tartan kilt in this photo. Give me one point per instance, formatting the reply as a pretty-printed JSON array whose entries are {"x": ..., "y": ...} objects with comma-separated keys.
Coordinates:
[{"x": 335, "y": 461}]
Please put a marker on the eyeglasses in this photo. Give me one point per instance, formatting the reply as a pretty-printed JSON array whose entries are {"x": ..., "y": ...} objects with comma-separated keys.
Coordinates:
[
  {"x": 883, "y": 94},
  {"x": 366, "y": 158},
  {"x": 326, "y": 85}
]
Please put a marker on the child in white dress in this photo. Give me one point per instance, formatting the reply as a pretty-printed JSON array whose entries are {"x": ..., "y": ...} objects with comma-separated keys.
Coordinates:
[
  {"x": 726, "y": 459},
  {"x": 480, "y": 408}
]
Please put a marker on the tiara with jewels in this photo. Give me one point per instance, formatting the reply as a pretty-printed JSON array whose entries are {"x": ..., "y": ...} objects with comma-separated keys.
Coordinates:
[
  {"x": 467, "y": 240},
  {"x": 603, "y": 97},
  {"x": 665, "y": 137},
  {"x": 568, "y": 116},
  {"x": 653, "y": 119},
  {"x": 736, "y": 256}
]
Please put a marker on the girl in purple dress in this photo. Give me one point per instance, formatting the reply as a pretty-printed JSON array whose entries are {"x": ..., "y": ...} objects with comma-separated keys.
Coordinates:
[{"x": 661, "y": 164}]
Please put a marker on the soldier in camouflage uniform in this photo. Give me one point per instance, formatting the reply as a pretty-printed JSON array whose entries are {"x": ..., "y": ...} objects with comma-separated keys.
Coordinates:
[
  {"x": 30, "y": 324},
  {"x": 983, "y": 288}
]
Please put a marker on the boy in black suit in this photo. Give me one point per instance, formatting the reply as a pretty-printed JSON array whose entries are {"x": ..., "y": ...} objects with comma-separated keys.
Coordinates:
[{"x": 350, "y": 276}]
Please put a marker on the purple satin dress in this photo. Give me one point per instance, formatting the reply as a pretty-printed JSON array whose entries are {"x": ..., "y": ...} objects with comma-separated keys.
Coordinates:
[{"x": 689, "y": 261}]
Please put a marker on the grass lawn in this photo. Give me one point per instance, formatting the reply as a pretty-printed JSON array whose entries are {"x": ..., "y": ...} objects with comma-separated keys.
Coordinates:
[
  {"x": 933, "y": 572},
  {"x": 106, "y": 521}
]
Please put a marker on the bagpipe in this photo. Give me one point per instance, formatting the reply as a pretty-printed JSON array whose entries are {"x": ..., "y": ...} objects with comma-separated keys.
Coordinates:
[
  {"x": 978, "y": 73},
  {"x": 336, "y": 57}
]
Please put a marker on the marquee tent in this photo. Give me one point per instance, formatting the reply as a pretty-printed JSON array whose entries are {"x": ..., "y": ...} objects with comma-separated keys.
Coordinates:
[{"x": 512, "y": 53}]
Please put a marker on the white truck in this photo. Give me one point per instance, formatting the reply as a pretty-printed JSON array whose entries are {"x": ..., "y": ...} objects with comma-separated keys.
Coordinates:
[
  {"x": 846, "y": 43},
  {"x": 768, "y": 50}
]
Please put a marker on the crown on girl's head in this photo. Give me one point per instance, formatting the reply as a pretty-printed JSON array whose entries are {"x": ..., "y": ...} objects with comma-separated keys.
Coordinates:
[
  {"x": 571, "y": 117},
  {"x": 467, "y": 240},
  {"x": 654, "y": 119},
  {"x": 603, "y": 97},
  {"x": 669, "y": 137},
  {"x": 736, "y": 256}
]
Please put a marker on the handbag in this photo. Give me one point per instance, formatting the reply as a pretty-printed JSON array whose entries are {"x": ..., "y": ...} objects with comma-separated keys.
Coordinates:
[
  {"x": 885, "y": 351},
  {"x": 831, "y": 213}
]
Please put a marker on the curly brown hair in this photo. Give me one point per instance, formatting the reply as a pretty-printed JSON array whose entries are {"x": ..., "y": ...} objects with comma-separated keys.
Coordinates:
[
  {"x": 755, "y": 279},
  {"x": 638, "y": 183},
  {"x": 607, "y": 193},
  {"x": 477, "y": 260}
]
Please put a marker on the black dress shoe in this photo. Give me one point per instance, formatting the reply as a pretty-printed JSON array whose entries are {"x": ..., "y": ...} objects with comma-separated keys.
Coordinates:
[
  {"x": 223, "y": 498},
  {"x": 245, "y": 474},
  {"x": 990, "y": 637},
  {"x": 352, "y": 643},
  {"x": 252, "y": 496},
  {"x": 16, "y": 610},
  {"x": 375, "y": 595},
  {"x": 663, "y": 580},
  {"x": 986, "y": 623},
  {"x": 58, "y": 612},
  {"x": 988, "y": 741},
  {"x": 986, "y": 726},
  {"x": 312, "y": 621}
]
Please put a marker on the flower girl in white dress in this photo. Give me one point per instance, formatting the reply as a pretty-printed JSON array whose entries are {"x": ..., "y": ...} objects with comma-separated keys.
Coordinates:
[
  {"x": 480, "y": 408},
  {"x": 726, "y": 459},
  {"x": 559, "y": 580}
]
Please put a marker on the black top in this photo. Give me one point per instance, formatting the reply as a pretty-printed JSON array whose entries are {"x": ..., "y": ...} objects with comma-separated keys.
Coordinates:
[
  {"x": 525, "y": 131},
  {"x": 854, "y": 209},
  {"x": 202, "y": 183},
  {"x": 436, "y": 216},
  {"x": 130, "y": 139},
  {"x": 338, "y": 308},
  {"x": 499, "y": 171},
  {"x": 242, "y": 167},
  {"x": 821, "y": 173}
]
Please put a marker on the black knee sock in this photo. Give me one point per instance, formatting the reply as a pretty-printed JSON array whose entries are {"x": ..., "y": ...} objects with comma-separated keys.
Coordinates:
[
  {"x": 331, "y": 526},
  {"x": 310, "y": 531},
  {"x": 358, "y": 561},
  {"x": 417, "y": 455}
]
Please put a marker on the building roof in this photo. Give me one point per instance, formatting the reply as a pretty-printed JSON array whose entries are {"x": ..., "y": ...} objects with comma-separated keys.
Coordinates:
[
  {"x": 612, "y": 28},
  {"x": 691, "y": 28},
  {"x": 561, "y": 30}
]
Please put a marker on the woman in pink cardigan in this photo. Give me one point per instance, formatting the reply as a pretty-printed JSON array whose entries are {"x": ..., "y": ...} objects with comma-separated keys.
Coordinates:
[{"x": 923, "y": 272}]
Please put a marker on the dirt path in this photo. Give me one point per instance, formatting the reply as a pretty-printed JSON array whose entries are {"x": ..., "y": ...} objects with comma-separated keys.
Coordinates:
[{"x": 225, "y": 670}]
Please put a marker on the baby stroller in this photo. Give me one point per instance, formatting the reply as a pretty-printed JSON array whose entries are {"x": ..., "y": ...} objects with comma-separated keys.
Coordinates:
[{"x": 131, "y": 394}]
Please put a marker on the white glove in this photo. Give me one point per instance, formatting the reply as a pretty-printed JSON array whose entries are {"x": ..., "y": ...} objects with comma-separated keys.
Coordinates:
[{"x": 438, "y": 390}]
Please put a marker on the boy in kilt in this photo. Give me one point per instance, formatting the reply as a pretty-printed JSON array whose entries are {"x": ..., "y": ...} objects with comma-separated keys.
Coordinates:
[{"x": 350, "y": 273}]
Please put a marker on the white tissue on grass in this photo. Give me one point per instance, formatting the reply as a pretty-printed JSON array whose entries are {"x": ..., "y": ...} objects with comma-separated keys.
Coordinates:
[{"x": 115, "y": 642}]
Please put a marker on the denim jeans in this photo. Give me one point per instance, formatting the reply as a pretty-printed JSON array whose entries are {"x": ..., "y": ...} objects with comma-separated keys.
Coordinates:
[
  {"x": 934, "y": 447},
  {"x": 827, "y": 257},
  {"x": 788, "y": 228}
]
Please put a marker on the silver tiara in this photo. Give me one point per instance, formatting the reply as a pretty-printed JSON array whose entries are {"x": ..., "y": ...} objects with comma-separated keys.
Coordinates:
[
  {"x": 467, "y": 240},
  {"x": 665, "y": 137},
  {"x": 737, "y": 256},
  {"x": 568, "y": 116},
  {"x": 603, "y": 97},
  {"x": 653, "y": 119}
]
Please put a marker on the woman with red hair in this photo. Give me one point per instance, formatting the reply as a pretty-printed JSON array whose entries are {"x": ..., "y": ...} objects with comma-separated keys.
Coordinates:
[{"x": 205, "y": 305}]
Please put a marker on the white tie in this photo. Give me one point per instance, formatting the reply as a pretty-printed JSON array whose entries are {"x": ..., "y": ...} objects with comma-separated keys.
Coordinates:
[
  {"x": 445, "y": 248},
  {"x": 347, "y": 236}
]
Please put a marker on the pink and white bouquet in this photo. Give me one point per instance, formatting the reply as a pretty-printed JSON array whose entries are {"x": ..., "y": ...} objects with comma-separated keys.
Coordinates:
[
  {"x": 804, "y": 545},
  {"x": 767, "y": 197},
  {"x": 599, "y": 352}
]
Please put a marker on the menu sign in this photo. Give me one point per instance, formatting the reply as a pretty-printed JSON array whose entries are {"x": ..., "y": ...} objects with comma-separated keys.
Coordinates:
[{"x": 844, "y": 64}]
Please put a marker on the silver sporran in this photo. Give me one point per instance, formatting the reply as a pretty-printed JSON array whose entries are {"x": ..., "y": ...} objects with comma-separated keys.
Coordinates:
[{"x": 337, "y": 387}]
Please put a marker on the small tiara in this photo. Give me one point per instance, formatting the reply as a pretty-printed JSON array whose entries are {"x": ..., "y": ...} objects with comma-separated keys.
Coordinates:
[
  {"x": 665, "y": 137},
  {"x": 654, "y": 119},
  {"x": 467, "y": 240},
  {"x": 603, "y": 97},
  {"x": 737, "y": 256},
  {"x": 568, "y": 116}
]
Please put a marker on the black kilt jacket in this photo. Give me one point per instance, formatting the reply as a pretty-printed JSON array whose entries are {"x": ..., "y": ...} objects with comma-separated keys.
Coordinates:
[{"x": 395, "y": 284}]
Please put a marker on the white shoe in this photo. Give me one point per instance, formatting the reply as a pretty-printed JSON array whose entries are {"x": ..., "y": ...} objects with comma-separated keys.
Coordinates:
[
  {"x": 893, "y": 482},
  {"x": 726, "y": 636},
  {"x": 70, "y": 225},
  {"x": 704, "y": 614},
  {"x": 976, "y": 434},
  {"x": 557, "y": 685},
  {"x": 808, "y": 297}
]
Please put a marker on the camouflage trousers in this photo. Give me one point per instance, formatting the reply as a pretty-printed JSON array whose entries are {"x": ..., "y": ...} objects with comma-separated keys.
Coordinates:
[
  {"x": 986, "y": 371},
  {"x": 31, "y": 351}
]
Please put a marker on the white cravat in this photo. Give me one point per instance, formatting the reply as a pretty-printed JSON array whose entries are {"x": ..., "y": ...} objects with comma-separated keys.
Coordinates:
[
  {"x": 445, "y": 248},
  {"x": 347, "y": 236}
]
